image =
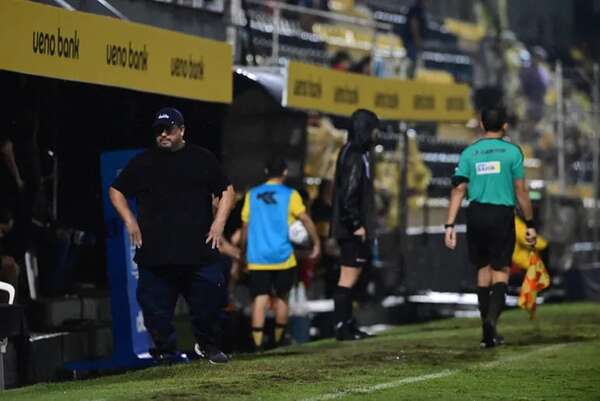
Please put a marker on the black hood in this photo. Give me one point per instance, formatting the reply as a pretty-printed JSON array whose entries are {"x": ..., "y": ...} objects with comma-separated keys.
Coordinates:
[{"x": 363, "y": 124}]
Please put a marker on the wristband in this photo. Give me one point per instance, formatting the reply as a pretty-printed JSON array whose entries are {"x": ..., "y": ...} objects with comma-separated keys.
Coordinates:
[
  {"x": 447, "y": 226},
  {"x": 530, "y": 223}
]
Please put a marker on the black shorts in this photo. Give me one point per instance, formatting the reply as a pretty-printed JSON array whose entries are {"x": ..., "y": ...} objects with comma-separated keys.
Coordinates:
[
  {"x": 490, "y": 235},
  {"x": 267, "y": 282},
  {"x": 355, "y": 252}
]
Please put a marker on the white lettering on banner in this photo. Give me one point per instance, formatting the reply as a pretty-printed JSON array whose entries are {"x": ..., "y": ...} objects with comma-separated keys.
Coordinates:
[
  {"x": 139, "y": 323},
  {"x": 135, "y": 271},
  {"x": 485, "y": 168}
]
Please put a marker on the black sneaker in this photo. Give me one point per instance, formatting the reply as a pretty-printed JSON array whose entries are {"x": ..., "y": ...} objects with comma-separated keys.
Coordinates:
[
  {"x": 168, "y": 358},
  {"x": 489, "y": 333},
  {"x": 214, "y": 355},
  {"x": 359, "y": 332},
  {"x": 349, "y": 332},
  {"x": 498, "y": 340}
]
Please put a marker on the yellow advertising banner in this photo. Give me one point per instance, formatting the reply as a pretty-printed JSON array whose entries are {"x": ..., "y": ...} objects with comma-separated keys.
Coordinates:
[
  {"x": 329, "y": 91},
  {"x": 51, "y": 42}
]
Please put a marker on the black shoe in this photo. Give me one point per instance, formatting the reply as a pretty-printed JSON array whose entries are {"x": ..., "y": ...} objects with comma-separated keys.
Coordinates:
[
  {"x": 168, "y": 357},
  {"x": 214, "y": 355},
  {"x": 258, "y": 349},
  {"x": 498, "y": 340},
  {"x": 359, "y": 332},
  {"x": 349, "y": 332},
  {"x": 284, "y": 341},
  {"x": 347, "y": 335},
  {"x": 489, "y": 333}
]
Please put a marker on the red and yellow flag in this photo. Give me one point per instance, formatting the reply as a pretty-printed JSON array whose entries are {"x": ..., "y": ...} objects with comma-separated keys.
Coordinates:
[{"x": 536, "y": 279}]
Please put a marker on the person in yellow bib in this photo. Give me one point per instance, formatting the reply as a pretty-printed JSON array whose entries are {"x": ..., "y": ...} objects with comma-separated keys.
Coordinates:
[{"x": 269, "y": 210}]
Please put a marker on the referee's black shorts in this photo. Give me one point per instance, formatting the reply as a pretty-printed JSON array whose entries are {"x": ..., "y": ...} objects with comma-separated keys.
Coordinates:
[
  {"x": 355, "y": 252},
  {"x": 490, "y": 235}
]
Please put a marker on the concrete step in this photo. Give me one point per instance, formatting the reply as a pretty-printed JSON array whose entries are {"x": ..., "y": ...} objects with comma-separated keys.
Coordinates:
[
  {"x": 49, "y": 352},
  {"x": 55, "y": 312}
]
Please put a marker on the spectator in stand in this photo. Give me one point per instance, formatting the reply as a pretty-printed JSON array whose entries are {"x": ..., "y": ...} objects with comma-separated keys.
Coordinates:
[
  {"x": 413, "y": 34},
  {"x": 363, "y": 66},
  {"x": 307, "y": 20},
  {"x": 341, "y": 61},
  {"x": 535, "y": 81}
]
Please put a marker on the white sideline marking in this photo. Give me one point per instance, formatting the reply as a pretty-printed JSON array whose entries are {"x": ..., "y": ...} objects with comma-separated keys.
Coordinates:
[{"x": 416, "y": 379}]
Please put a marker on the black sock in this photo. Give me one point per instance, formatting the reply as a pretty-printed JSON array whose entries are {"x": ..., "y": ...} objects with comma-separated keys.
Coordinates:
[
  {"x": 483, "y": 300},
  {"x": 257, "y": 336},
  {"x": 343, "y": 305},
  {"x": 279, "y": 332},
  {"x": 497, "y": 300}
]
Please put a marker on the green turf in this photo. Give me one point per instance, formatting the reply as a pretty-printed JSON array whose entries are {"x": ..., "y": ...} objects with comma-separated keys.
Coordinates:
[{"x": 556, "y": 357}]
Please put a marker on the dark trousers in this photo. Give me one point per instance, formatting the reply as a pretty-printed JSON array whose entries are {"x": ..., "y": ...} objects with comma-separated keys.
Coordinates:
[{"x": 203, "y": 288}]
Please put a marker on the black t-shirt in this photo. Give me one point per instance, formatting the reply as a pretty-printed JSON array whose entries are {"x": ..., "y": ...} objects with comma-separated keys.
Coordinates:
[{"x": 174, "y": 193}]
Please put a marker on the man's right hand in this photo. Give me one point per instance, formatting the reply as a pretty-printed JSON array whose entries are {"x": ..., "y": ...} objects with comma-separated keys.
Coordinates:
[
  {"x": 450, "y": 238},
  {"x": 135, "y": 235},
  {"x": 531, "y": 236},
  {"x": 361, "y": 232}
]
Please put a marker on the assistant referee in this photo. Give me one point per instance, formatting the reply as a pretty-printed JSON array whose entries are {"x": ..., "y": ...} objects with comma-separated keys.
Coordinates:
[{"x": 491, "y": 172}]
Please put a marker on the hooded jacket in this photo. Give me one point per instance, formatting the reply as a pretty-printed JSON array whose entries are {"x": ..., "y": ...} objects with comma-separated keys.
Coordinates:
[{"x": 353, "y": 198}]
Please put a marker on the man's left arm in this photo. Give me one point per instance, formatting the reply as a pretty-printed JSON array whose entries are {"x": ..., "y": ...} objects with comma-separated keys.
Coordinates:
[
  {"x": 224, "y": 207},
  {"x": 460, "y": 182}
]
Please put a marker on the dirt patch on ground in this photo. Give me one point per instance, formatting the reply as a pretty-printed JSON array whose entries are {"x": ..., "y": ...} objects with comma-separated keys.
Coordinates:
[{"x": 540, "y": 339}]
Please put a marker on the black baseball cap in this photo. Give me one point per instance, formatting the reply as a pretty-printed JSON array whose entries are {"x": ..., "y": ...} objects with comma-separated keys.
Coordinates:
[{"x": 168, "y": 117}]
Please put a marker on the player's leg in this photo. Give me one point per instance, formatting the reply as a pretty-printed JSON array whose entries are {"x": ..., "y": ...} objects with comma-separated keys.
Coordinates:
[
  {"x": 484, "y": 284},
  {"x": 498, "y": 299},
  {"x": 284, "y": 281},
  {"x": 343, "y": 295},
  {"x": 260, "y": 288},
  {"x": 502, "y": 245},
  {"x": 478, "y": 239},
  {"x": 355, "y": 256}
]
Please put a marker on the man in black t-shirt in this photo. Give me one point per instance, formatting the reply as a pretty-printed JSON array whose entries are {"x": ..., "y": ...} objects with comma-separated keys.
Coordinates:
[
  {"x": 413, "y": 34},
  {"x": 176, "y": 233}
]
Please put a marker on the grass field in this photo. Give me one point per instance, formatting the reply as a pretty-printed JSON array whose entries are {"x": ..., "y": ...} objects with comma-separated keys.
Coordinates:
[{"x": 556, "y": 357}]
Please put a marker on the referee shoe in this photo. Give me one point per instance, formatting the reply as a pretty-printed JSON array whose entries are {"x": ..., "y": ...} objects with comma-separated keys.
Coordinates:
[
  {"x": 349, "y": 331},
  {"x": 489, "y": 336}
]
